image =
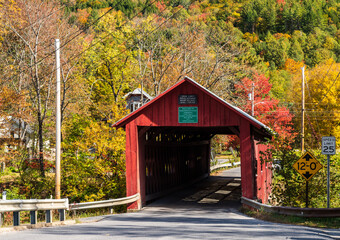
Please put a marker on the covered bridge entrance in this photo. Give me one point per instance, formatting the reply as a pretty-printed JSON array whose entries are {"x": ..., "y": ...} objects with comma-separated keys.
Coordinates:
[{"x": 168, "y": 142}]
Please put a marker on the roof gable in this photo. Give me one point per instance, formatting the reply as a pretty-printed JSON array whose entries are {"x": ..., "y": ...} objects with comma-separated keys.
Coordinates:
[{"x": 199, "y": 88}]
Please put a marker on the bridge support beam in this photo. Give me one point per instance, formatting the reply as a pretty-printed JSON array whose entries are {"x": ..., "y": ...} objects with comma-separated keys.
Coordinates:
[
  {"x": 132, "y": 161},
  {"x": 247, "y": 166}
]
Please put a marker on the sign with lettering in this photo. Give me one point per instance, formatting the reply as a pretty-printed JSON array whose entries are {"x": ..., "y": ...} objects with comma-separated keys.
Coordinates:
[
  {"x": 187, "y": 99},
  {"x": 188, "y": 114},
  {"x": 307, "y": 166},
  {"x": 328, "y": 145}
]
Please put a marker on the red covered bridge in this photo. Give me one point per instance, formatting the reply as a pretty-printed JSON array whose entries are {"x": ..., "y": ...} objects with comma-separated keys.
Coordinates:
[{"x": 168, "y": 142}]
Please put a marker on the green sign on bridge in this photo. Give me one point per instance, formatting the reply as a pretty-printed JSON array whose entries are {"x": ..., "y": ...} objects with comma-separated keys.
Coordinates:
[{"x": 188, "y": 114}]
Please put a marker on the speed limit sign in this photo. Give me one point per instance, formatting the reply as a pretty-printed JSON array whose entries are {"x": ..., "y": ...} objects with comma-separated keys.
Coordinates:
[{"x": 328, "y": 145}]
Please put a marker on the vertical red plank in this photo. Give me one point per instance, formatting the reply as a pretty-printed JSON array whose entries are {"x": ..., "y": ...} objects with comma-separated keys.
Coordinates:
[
  {"x": 148, "y": 117},
  {"x": 131, "y": 163},
  {"x": 216, "y": 109},
  {"x": 171, "y": 112},
  {"x": 200, "y": 108},
  {"x": 264, "y": 174},
  {"x": 168, "y": 104},
  {"x": 206, "y": 110},
  {"x": 142, "y": 169},
  {"x": 161, "y": 115},
  {"x": 155, "y": 113},
  {"x": 247, "y": 168}
]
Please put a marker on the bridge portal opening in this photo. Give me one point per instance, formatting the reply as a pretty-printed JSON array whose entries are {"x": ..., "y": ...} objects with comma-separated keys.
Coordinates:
[{"x": 174, "y": 157}]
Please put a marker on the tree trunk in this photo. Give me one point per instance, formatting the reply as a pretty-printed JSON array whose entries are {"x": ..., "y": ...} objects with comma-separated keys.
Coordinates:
[{"x": 41, "y": 143}]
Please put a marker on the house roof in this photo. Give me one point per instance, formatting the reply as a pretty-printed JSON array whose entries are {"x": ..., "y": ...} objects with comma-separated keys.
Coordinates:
[
  {"x": 15, "y": 124},
  {"x": 122, "y": 122},
  {"x": 138, "y": 91}
]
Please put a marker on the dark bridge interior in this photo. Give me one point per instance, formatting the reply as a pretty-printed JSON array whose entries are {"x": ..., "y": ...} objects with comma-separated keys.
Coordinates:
[{"x": 176, "y": 156}]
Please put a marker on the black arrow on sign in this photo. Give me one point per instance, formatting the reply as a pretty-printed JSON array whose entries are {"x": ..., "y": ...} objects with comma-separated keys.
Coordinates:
[
  {"x": 307, "y": 157},
  {"x": 307, "y": 175}
]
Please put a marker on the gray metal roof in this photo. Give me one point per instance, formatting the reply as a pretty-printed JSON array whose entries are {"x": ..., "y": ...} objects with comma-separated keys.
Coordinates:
[{"x": 138, "y": 91}]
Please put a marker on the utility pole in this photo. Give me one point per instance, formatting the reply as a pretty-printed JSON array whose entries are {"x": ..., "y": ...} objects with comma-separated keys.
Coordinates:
[
  {"x": 252, "y": 99},
  {"x": 303, "y": 123},
  {"x": 58, "y": 122},
  {"x": 303, "y": 111}
]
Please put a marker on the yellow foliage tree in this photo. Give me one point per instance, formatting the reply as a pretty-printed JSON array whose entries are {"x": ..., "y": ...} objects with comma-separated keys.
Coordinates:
[{"x": 322, "y": 101}]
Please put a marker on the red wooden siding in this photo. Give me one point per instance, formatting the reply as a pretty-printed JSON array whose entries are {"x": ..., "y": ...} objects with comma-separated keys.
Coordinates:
[
  {"x": 153, "y": 167},
  {"x": 210, "y": 111},
  {"x": 264, "y": 173}
]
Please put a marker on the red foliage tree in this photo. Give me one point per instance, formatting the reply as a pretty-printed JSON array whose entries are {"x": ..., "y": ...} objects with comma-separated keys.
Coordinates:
[{"x": 266, "y": 108}]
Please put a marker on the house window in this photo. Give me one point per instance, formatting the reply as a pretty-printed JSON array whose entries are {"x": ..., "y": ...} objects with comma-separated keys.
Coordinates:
[{"x": 134, "y": 106}]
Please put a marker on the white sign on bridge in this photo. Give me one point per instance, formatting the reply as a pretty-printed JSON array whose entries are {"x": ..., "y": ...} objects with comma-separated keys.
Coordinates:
[{"x": 328, "y": 145}]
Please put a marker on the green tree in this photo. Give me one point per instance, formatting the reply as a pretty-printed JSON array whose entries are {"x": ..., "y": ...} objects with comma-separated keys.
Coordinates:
[
  {"x": 275, "y": 50},
  {"x": 295, "y": 51}
]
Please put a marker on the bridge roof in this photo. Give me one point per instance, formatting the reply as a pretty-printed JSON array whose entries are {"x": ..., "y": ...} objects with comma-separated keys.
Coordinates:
[{"x": 187, "y": 86}]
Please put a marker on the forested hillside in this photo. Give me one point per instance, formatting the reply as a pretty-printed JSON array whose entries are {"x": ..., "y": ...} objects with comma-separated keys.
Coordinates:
[{"x": 109, "y": 48}]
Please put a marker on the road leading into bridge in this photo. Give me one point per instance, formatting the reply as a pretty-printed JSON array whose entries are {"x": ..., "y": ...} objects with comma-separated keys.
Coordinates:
[{"x": 207, "y": 210}]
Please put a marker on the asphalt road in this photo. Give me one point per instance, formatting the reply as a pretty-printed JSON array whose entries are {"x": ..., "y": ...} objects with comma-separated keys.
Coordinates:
[{"x": 207, "y": 210}]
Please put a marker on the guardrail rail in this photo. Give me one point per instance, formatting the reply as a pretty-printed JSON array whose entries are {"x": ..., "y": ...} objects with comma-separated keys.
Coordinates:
[
  {"x": 217, "y": 166},
  {"x": 34, "y": 205},
  {"x": 104, "y": 203},
  {"x": 293, "y": 211},
  {"x": 47, "y": 205}
]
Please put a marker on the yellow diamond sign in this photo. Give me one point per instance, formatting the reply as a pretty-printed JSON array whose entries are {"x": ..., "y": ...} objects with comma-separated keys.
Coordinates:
[{"x": 307, "y": 166}]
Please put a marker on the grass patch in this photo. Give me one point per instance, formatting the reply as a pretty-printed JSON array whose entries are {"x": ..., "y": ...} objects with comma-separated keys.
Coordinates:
[
  {"x": 286, "y": 219},
  {"x": 223, "y": 156},
  {"x": 95, "y": 212}
]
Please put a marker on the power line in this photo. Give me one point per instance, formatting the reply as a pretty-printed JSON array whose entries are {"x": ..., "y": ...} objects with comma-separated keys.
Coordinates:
[
  {"x": 77, "y": 55},
  {"x": 39, "y": 20},
  {"x": 102, "y": 38},
  {"x": 329, "y": 89},
  {"x": 121, "y": 52},
  {"x": 325, "y": 75},
  {"x": 77, "y": 34}
]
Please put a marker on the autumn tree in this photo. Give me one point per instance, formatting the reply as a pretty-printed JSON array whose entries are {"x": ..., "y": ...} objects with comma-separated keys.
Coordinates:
[
  {"x": 266, "y": 108},
  {"x": 93, "y": 156},
  {"x": 31, "y": 56},
  {"x": 322, "y": 101},
  {"x": 107, "y": 64}
]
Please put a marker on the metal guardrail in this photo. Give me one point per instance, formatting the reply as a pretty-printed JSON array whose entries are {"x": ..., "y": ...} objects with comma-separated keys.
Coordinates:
[
  {"x": 34, "y": 205},
  {"x": 104, "y": 203},
  {"x": 293, "y": 211},
  {"x": 217, "y": 166}
]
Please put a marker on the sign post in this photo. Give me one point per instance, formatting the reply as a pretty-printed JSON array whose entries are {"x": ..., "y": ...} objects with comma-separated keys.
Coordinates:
[
  {"x": 307, "y": 166},
  {"x": 328, "y": 148}
]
